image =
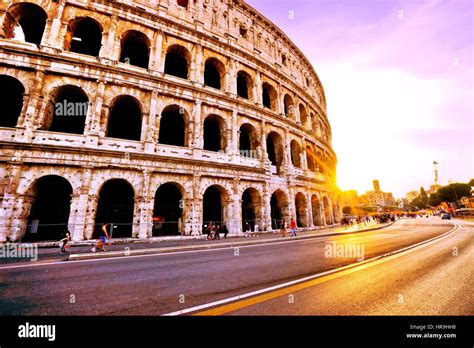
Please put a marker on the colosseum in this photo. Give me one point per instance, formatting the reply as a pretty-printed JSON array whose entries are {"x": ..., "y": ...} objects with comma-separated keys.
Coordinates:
[{"x": 159, "y": 117}]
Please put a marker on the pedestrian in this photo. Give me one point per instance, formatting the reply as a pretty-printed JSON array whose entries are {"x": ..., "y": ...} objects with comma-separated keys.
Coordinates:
[
  {"x": 218, "y": 231},
  {"x": 248, "y": 230},
  {"x": 293, "y": 227},
  {"x": 63, "y": 242},
  {"x": 225, "y": 231},
  {"x": 282, "y": 229},
  {"x": 102, "y": 241}
]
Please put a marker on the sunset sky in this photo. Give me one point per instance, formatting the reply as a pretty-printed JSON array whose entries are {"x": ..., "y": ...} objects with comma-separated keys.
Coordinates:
[{"x": 399, "y": 83}]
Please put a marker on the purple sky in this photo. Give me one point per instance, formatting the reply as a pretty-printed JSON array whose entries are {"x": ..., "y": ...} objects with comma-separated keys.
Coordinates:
[{"x": 399, "y": 82}]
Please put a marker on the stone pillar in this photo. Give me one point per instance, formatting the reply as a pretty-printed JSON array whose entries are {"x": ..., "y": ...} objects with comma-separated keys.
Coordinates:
[
  {"x": 304, "y": 158},
  {"x": 235, "y": 210},
  {"x": 94, "y": 127},
  {"x": 197, "y": 67},
  {"x": 137, "y": 215},
  {"x": 231, "y": 77},
  {"x": 188, "y": 205},
  {"x": 80, "y": 207},
  {"x": 198, "y": 139},
  {"x": 264, "y": 142},
  {"x": 259, "y": 90},
  {"x": 197, "y": 206},
  {"x": 323, "y": 213},
  {"x": 291, "y": 201},
  {"x": 8, "y": 203},
  {"x": 146, "y": 204},
  {"x": 51, "y": 35},
  {"x": 280, "y": 104},
  {"x": 266, "y": 208},
  {"x": 151, "y": 136},
  {"x": 156, "y": 51},
  {"x": 108, "y": 40},
  {"x": 234, "y": 147},
  {"x": 35, "y": 103},
  {"x": 19, "y": 217},
  {"x": 331, "y": 213},
  {"x": 309, "y": 206},
  {"x": 89, "y": 218}
]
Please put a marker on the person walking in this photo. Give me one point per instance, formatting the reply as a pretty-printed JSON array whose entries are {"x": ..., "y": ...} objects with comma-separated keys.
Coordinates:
[
  {"x": 102, "y": 241},
  {"x": 248, "y": 230},
  {"x": 282, "y": 229},
  {"x": 218, "y": 231},
  {"x": 293, "y": 227},
  {"x": 63, "y": 242},
  {"x": 225, "y": 231}
]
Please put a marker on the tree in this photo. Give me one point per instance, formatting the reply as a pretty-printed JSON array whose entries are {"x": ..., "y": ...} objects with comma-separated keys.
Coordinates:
[
  {"x": 454, "y": 192},
  {"x": 434, "y": 200},
  {"x": 471, "y": 182},
  {"x": 423, "y": 198}
]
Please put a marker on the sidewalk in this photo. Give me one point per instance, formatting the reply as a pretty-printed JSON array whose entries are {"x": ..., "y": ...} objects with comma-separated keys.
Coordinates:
[{"x": 127, "y": 247}]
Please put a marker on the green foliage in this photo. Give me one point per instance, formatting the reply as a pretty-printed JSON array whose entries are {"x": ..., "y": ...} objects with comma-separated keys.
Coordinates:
[{"x": 453, "y": 192}]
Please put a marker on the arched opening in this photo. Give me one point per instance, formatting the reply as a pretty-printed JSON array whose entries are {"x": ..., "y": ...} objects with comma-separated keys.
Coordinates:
[
  {"x": 310, "y": 158},
  {"x": 248, "y": 141},
  {"x": 50, "y": 207},
  {"x": 168, "y": 211},
  {"x": 289, "y": 105},
  {"x": 327, "y": 212},
  {"x": 214, "y": 204},
  {"x": 295, "y": 154},
  {"x": 135, "y": 49},
  {"x": 11, "y": 100},
  {"x": 303, "y": 116},
  {"x": 182, "y": 3},
  {"x": 115, "y": 207},
  {"x": 84, "y": 36},
  {"x": 300, "y": 205},
  {"x": 319, "y": 159},
  {"x": 269, "y": 96},
  {"x": 67, "y": 110},
  {"x": 125, "y": 120},
  {"x": 25, "y": 22},
  {"x": 214, "y": 133},
  {"x": 214, "y": 72},
  {"x": 316, "y": 208},
  {"x": 314, "y": 122},
  {"x": 177, "y": 61},
  {"x": 275, "y": 149},
  {"x": 251, "y": 209},
  {"x": 244, "y": 85},
  {"x": 279, "y": 209},
  {"x": 172, "y": 126}
]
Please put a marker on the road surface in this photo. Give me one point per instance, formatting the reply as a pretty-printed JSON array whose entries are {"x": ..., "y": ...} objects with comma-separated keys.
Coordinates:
[{"x": 433, "y": 279}]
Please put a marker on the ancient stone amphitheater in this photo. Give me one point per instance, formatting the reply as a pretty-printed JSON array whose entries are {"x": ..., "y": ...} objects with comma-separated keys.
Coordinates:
[{"x": 159, "y": 117}]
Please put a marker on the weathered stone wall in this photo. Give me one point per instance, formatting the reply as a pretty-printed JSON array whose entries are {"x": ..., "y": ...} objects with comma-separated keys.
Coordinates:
[{"x": 229, "y": 31}]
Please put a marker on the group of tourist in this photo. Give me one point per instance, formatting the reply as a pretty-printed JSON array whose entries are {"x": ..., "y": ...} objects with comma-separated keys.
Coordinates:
[{"x": 214, "y": 231}]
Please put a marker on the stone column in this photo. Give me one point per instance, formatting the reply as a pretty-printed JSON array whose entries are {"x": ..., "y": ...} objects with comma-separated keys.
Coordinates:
[
  {"x": 331, "y": 213},
  {"x": 235, "y": 210},
  {"x": 146, "y": 204},
  {"x": 259, "y": 90},
  {"x": 231, "y": 77},
  {"x": 89, "y": 218},
  {"x": 309, "y": 205},
  {"x": 156, "y": 51},
  {"x": 197, "y": 206},
  {"x": 188, "y": 205},
  {"x": 234, "y": 148},
  {"x": 304, "y": 159},
  {"x": 19, "y": 217},
  {"x": 9, "y": 200},
  {"x": 35, "y": 103},
  {"x": 93, "y": 127},
  {"x": 197, "y": 68},
  {"x": 198, "y": 140},
  {"x": 80, "y": 207},
  {"x": 291, "y": 201},
  {"x": 323, "y": 213},
  {"x": 266, "y": 208},
  {"x": 264, "y": 156},
  {"x": 107, "y": 49},
  {"x": 151, "y": 136},
  {"x": 51, "y": 35},
  {"x": 280, "y": 104}
]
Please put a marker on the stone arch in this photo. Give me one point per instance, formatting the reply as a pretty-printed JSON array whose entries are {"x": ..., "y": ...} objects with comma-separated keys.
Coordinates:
[
  {"x": 67, "y": 110},
  {"x": 269, "y": 96},
  {"x": 248, "y": 141},
  {"x": 125, "y": 118},
  {"x": 169, "y": 209},
  {"x": 289, "y": 106},
  {"x": 115, "y": 206},
  {"x": 295, "y": 153},
  {"x": 251, "y": 208},
  {"x": 135, "y": 48},
  {"x": 48, "y": 208},
  {"x": 327, "y": 212},
  {"x": 310, "y": 158},
  {"x": 214, "y": 73},
  {"x": 301, "y": 206},
  {"x": 177, "y": 61},
  {"x": 84, "y": 36},
  {"x": 182, "y": 3},
  {"x": 279, "y": 208},
  {"x": 11, "y": 100},
  {"x": 244, "y": 85},
  {"x": 26, "y": 22},
  {"x": 173, "y": 126},
  {"x": 215, "y": 205},
  {"x": 303, "y": 115},
  {"x": 275, "y": 149},
  {"x": 316, "y": 208},
  {"x": 214, "y": 133}
]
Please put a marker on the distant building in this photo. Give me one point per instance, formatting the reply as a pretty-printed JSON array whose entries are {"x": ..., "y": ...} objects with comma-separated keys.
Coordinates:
[{"x": 377, "y": 198}]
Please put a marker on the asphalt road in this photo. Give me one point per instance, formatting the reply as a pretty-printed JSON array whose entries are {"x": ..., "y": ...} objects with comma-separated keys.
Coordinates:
[{"x": 430, "y": 280}]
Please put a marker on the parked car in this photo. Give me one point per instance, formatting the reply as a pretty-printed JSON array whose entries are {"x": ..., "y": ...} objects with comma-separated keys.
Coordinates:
[{"x": 445, "y": 217}]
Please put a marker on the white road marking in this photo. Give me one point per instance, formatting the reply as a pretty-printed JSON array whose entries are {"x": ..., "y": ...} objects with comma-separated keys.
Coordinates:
[{"x": 393, "y": 254}]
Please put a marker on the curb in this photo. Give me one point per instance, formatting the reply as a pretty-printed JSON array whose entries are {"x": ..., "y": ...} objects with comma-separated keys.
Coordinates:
[{"x": 151, "y": 251}]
